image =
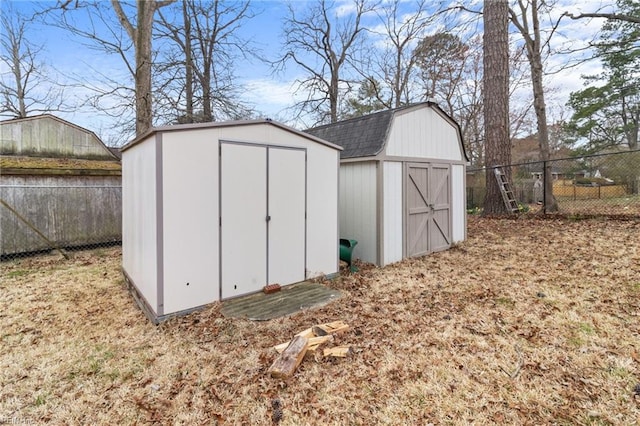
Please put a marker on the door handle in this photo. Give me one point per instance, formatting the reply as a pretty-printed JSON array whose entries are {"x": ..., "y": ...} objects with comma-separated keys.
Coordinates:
[{"x": 268, "y": 218}]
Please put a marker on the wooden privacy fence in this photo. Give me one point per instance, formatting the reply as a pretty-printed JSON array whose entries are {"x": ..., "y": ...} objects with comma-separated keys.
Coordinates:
[
  {"x": 44, "y": 213},
  {"x": 575, "y": 192}
]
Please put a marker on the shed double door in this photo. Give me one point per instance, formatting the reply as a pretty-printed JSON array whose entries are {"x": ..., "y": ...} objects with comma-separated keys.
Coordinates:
[
  {"x": 428, "y": 208},
  {"x": 262, "y": 217}
]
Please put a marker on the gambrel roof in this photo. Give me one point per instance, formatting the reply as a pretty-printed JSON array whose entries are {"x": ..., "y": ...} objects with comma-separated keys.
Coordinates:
[
  {"x": 360, "y": 137},
  {"x": 366, "y": 136}
]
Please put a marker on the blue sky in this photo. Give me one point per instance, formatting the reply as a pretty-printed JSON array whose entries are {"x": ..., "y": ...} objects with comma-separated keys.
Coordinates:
[{"x": 69, "y": 58}]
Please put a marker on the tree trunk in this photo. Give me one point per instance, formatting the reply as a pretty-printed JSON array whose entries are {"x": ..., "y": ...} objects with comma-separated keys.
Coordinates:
[
  {"x": 17, "y": 62},
  {"x": 17, "y": 73},
  {"x": 333, "y": 95},
  {"x": 188, "y": 84},
  {"x": 205, "y": 83},
  {"x": 144, "y": 103},
  {"x": 539, "y": 105},
  {"x": 141, "y": 38},
  {"x": 496, "y": 101}
]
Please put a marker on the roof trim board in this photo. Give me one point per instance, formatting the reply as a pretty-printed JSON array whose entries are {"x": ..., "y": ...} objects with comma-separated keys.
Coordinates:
[{"x": 220, "y": 124}]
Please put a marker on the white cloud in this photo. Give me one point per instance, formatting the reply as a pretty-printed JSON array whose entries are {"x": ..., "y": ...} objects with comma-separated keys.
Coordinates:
[
  {"x": 269, "y": 92},
  {"x": 272, "y": 98}
]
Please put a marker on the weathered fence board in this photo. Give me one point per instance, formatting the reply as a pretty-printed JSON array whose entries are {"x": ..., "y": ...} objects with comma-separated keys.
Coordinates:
[
  {"x": 70, "y": 210},
  {"x": 588, "y": 192}
]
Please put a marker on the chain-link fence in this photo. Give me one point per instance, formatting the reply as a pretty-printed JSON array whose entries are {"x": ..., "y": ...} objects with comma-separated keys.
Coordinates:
[
  {"x": 604, "y": 184},
  {"x": 41, "y": 218}
]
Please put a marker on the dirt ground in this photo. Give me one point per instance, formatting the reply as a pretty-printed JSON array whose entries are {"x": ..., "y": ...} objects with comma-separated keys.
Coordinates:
[{"x": 530, "y": 321}]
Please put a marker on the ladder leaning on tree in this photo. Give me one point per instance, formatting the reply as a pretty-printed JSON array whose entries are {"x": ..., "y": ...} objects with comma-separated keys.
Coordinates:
[{"x": 507, "y": 192}]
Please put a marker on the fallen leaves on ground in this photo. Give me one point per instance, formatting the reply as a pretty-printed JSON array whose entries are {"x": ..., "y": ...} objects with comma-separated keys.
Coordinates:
[{"x": 529, "y": 321}]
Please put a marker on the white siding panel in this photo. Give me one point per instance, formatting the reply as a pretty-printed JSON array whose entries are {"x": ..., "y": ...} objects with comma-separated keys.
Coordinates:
[
  {"x": 423, "y": 133},
  {"x": 139, "y": 251},
  {"x": 358, "y": 207},
  {"x": 190, "y": 213},
  {"x": 287, "y": 190},
  {"x": 322, "y": 210},
  {"x": 392, "y": 189},
  {"x": 458, "y": 203}
]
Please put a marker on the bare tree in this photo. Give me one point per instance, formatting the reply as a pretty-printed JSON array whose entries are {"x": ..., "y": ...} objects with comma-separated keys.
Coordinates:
[
  {"x": 141, "y": 35},
  {"x": 396, "y": 63},
  {"x": 208, "y": 46},
  {"x": 442, "y": 59},
  {"x": 26, "y": 87},
  {"x": 113, "y": 31},
  {"x": 177, "y": 92},
  {"x": 450, "y": 73},
  {"x": 322, "y": 45},
  {"x": 527, "y": 21},
  {"x": 467, "y": 103},
  {"x": 110, "y": 91},
  {"x": 496, "y": 104}
]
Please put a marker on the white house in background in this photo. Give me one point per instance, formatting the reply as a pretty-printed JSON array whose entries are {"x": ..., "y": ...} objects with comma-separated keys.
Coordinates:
[
  {"x": 217, "y": 210},
  {"x": 402, "y": 182}
]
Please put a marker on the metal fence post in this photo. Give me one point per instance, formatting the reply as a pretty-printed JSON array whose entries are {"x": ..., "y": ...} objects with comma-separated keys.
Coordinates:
[
  {"x": 544, "y": 187},
  {"x": 576, "y": 192}
]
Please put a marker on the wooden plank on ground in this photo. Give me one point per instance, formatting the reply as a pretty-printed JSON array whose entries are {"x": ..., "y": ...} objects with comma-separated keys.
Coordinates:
[
  {"x": 330, "y": 328},
  {"x": 338, "y": 351},
  {"x": 285, "y": 365},
  {"x": 314, "y": 343},
  {"x": 306, "y": 333}
]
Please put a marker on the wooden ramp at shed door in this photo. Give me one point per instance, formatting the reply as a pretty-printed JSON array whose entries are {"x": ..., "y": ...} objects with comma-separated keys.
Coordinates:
[{"x": 262, "y": 201}]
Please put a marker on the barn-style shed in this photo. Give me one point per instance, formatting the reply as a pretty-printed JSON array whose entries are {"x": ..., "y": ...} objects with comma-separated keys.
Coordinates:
[
  {"x": 216, "y": 210},
  {"x": 402, "y": 182}
]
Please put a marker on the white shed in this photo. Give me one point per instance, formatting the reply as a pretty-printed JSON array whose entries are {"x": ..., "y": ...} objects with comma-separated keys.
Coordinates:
[
  {"x": 217, "y": 210},
  {"x": 402, "y": 182}
]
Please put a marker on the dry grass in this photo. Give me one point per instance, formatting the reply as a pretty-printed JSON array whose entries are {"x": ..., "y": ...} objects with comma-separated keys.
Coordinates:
[
  {"x": 528, "y": 322},
  {"x": 20, "y": 162}
]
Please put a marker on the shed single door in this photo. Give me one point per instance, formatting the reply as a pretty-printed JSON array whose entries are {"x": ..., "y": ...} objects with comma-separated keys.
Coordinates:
[
  {"x": 243, "y": 203},
  {"x": 428, "y": 208},
  {"x": 262, "y": 217},
  {"x": 287, "y": 210}
]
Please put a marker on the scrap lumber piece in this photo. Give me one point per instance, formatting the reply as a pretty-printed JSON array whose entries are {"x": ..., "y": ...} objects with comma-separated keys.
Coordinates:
[
  {"x": 306, "y": 333},
  {"x": 281, "y": 347},
  {"x": 314, "y": 343},
  {"x": 330, "y": 328},
  {"x": 338, "y": 351},
  {"x": 286, "y": 363}
]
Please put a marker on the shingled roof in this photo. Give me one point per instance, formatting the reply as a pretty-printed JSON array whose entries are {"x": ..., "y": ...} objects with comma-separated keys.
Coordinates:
[
  {"x": 360, "y": 137},
  {"x": 364, "y": 136}
]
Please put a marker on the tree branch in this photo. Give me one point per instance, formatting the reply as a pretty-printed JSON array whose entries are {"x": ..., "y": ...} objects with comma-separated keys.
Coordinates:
[
  {"x": 124, "y": 21},
  {"x": 612, "y": 16}
]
